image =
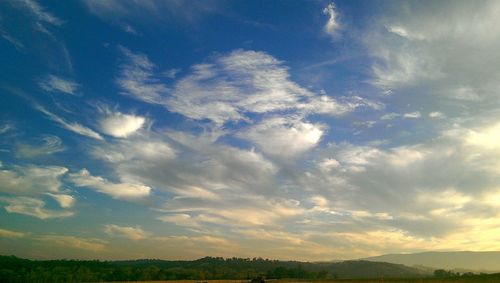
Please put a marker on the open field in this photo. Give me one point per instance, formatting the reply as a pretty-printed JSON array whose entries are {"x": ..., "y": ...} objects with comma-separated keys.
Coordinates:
[{"x": 482, "y": 279}]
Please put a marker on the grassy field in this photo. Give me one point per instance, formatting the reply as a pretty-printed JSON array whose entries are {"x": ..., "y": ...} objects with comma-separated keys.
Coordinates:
[{"x": 417, "y": 280}]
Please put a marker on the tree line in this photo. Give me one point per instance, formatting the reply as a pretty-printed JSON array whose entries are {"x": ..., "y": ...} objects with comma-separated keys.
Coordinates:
[{"x": 13, "y": 269}]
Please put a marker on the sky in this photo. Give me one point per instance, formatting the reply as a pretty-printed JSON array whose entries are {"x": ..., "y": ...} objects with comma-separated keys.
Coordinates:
[{"x": 305, "y": 130}]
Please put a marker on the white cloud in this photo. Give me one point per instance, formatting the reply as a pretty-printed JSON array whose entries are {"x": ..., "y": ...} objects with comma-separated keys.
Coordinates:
[
  {"x": 186, "y": 220},
  {"x": 389, "y": 116},
  {"x": 336, "y": 107},
  {"x": 205, "y": 171},
  {"x": 39, "y": 12},
  {"x": 130, "y": 29},
  {"x": 426, "y": 190},
  {"x": 14, "y": 41},
  {"x": 57, "y": 84},
  {"x": 5, "y": 128},
  {"x": 137, "y": 78},
  {"x": 127, "y": 191},
  {"x": 27, "y": 185},
  {"x": 189, "y": 247},
  {"x": 487, "y": 137},
  {"x": 351, "y": 158},
  {"x": 367, "y": 214},
  {"x": 204, "y": 165},
  {"x": 401, "y": 31},
  {"x": 171, "y": 74},
  {"x": 31, "y": 179},
  {"x": 88, "y": 244},
  {"x": 74, "y": 127},
  {"x": 151, "y": 11},
  {"x": 355, "y": 158},
  {"x": 278, "y": 136},
  {"x": 272, "y": 236},
  {"x": 412, "y": 115},
  {"x": 436, "y": 115},
  {"x": 32, "y": 207},
  {"x": 319, "y": 201},
  {"x": 410, "y": 48},
  {"x": 120, "y": 125},
  {"x": 446, "y": 200},
  {"x": 148, "y": 148},
  {"x": 229, "y": 87},
  {"x": 212, "y": 183},
  {"x": 46, "y": 145},
  {"x": 133, "y": 233},
  {"x": 406, "y": 155},
  {"x": 65, "y": 201},
  {"x": 328, "y": 164},
  {"x": 491, "y": 198},
  {"x": 232, "y": 210},
  {"x": 11, "y": 234},
  {"x": 241, "y": 82},
  {"x": 327, "y": 105},
  {"x": 332, "y": 25},
  {"x": 404, "y": 69}
]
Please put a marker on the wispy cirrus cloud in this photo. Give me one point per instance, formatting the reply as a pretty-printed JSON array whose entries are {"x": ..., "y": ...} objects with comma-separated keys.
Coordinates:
[
  {"x": 71, "y": 126},
  {"x": 230, "y": 87},
  {"x": 6, "y": 127},
  {"x": 14, "y": 41},
  {"x": 132, "y": 233},
  {"x": 28, "y": 186},
  {"x": 332, "y": 26},
  {"x": 410, "y": 56},
  {"x": 135, "y": 149},
  {"x": 126, "y": 191},
  {"x": 4, "y": 233},
  {"x": 46, "y": 145},
  {"x": 151, "y": 11},
  {"x": 231, "y": 210},
  {"x": 54, "y": 83},
  {"x": 32, "y": 207},
  {"x": 39, "y": 12},
  {"x": 37, "y": 17},
  {"x": 31, "y": 179},
  {"x": 137, "y": 78},
  {"x": 72, "y": 242}
]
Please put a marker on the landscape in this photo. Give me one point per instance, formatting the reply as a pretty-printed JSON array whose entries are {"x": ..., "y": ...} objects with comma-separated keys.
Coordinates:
[
  {"x": 249, "y": 141},
  {"x": 231, "y": 270}
]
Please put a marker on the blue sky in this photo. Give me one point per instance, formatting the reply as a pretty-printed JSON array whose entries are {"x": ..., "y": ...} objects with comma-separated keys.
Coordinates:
[{"x": 308, "y": 130}]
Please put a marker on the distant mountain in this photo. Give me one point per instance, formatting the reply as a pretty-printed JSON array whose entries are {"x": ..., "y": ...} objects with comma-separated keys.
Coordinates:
[
  {"x": 366, "y": 269},
  {"x": 473, "y": 261}
]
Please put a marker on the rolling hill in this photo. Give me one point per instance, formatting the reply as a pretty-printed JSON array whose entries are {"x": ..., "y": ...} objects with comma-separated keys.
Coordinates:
[{"x": 464, "y": 260}]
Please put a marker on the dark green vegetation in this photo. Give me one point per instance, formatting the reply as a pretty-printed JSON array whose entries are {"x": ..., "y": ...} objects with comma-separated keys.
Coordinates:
[
  {"x": 21, "y": 270},
  {"x": 13, "y": 269}
]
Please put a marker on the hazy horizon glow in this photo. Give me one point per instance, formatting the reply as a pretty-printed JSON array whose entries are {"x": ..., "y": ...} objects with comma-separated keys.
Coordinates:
[{"x": 307, "y": 130}]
